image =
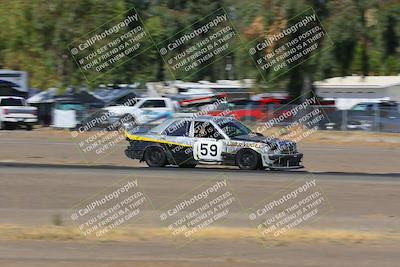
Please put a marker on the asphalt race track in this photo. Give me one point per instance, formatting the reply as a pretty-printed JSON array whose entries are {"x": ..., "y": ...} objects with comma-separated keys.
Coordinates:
[{"x": 32, "y": 195}]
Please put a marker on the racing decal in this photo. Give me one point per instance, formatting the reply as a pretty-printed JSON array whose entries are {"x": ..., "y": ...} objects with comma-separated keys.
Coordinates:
[
  {"x": 208, "y": 150},
  {"x": 148, "y": 139},
  {"x": 244, "y": 144}
]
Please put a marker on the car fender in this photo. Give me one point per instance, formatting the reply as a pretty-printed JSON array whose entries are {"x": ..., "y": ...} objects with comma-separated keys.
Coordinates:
[{"x": 263, "y": 151}]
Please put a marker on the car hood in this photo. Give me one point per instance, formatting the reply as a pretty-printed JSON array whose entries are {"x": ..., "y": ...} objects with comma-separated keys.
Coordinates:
[{"x": 254, "y": 138}]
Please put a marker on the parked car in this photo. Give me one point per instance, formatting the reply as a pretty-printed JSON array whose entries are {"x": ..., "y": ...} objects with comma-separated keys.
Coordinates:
[
  {"x": 247, "y": 110},
  {"x": 382, "y": 116},
  {"x": 144, "y": 110},
  {"x": 14, "y": 113}
]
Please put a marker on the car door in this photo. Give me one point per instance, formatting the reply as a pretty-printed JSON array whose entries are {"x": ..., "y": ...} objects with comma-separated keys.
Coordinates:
[
  {"x": 178, "y": 132},
  {"x": 209, "y": 142},
  {"x": 178, "y": 142}
]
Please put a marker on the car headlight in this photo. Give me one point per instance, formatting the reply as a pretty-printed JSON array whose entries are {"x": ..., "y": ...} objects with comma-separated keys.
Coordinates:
[
  {"x": 294, "y": 146},
  {"x": 273, "y": 146}
]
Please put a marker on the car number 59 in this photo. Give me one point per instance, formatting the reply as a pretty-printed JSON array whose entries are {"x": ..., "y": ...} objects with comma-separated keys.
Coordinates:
[{"x": 208, "y": 150}]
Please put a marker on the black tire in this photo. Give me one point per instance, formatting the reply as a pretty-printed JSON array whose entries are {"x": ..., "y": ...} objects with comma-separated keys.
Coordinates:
[
  {"x": 248, "y": 159},
  {"x": 187, "y": 165},
  {"x": 29, "y": 127},
  {"x": 155, "y": 157}
]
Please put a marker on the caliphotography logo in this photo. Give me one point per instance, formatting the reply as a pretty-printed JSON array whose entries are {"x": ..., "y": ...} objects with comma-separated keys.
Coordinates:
[
  {"x": 302, "y": 37},
  {"x": 193, "y": 214},
  {"x": 110, "y": 45},
  {"x": 199, "y": 45},
  {"x": 289, "y": 210},
  {"x": 107, "y": 211}
]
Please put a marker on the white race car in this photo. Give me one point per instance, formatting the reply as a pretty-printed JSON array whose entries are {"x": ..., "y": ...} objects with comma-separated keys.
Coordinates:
[{"x": 186, "y": 142}]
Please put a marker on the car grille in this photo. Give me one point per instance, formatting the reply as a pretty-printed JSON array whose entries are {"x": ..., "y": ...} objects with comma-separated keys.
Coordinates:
[{"x": 287, "y": 148}]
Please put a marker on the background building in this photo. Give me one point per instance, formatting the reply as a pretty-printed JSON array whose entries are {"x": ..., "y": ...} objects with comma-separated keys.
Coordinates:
[{"x": 350, "y": 90}]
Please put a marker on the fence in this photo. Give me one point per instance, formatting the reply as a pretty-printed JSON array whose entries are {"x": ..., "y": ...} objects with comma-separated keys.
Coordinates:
[
  {"x": 321, "y": 117},
  {"x": 324, "y": 118}
]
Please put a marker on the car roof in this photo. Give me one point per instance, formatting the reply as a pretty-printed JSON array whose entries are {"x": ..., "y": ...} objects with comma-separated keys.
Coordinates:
[{"x": 161, "y": 127}]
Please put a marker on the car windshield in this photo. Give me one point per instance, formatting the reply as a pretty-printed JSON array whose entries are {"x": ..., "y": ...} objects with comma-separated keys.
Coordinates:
[
  {"x": 234, "y": 128},
  {"x": 11, "y": 102}
]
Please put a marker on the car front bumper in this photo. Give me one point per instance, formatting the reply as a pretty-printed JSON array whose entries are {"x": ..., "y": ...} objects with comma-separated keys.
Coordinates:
[{"x": 283, "y": 161}]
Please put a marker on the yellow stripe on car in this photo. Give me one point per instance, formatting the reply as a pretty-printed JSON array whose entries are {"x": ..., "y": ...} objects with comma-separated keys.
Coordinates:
[{"x": 148, "y": 139}]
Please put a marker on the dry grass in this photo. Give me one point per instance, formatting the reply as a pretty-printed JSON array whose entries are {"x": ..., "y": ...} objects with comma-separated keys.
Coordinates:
[{"x": 12, "y": 232}]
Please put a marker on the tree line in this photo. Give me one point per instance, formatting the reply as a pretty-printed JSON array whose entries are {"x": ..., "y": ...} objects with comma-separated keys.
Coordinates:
[{"x": 34, "y": 36}]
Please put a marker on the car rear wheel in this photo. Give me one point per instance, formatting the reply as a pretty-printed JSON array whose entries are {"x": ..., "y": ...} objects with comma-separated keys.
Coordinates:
[
  {"x": 155, "y": 157},
  {"x": 248, "y": 159}
]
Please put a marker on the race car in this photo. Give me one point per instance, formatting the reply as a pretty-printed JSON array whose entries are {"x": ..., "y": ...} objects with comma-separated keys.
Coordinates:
[{"x": 186, "y": 142}]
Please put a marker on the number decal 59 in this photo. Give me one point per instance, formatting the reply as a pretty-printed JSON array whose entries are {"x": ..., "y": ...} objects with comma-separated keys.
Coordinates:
[{"x": 208, "y": 150}]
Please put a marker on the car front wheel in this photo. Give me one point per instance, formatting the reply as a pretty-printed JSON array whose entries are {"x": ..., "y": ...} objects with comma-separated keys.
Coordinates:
[
  {"x": 155, "y": 157},
  {"x": 248, "y": 159}
]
